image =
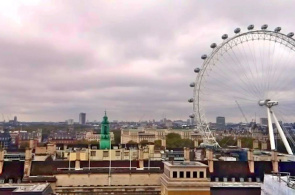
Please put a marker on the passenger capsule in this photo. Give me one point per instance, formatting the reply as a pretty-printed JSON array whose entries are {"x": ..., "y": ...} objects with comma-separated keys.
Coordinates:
[
  {"x": 225, "y": 36},
  {"x": 192, "y": 84},
  {"x": 191, "y": 100},
  {"x": 291, "y": 34},
  {"x": 251, "y": 27},
  {"x": 197, "y": 70},
  {"x": 192, "y": 116},
  {"x": 237, "y": 30},
  {"x": 204, "y": 57},
  {"x": 278, "y": 29},
  {"x": 213, "y": 45},
  {"x": 264, "y": 26}
]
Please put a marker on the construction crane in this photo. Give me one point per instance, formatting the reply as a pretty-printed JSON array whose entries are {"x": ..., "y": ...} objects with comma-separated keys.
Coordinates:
[{"x": 242, "y": 111}]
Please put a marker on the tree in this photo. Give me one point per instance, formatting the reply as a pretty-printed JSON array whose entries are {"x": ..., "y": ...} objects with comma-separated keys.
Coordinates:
[
  {"x": 158, "y": 143},
  {"x": 131, "y": 142},
  {"x": 117, "y": 137},
  {"x": 173, "y": 140},
  {"x": 227, "y": 141},
  {"x": 187, "y": 143},
  {"x": 144, "y": 142}
]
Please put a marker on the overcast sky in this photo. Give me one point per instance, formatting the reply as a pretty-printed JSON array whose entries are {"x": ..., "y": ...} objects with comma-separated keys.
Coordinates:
[{"x": 133, "y": 58}]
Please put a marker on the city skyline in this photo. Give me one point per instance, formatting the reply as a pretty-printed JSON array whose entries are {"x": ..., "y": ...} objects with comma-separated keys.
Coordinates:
[{"x": 134, "y": 59}]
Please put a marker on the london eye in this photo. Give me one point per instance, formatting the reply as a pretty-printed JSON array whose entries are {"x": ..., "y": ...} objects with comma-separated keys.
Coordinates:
[{"x": 254, "y": 68}]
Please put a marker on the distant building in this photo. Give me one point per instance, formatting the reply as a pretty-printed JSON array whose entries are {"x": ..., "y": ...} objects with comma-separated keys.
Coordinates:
[
  {"x": 192, "y": 121},
  {"x": 220, "y": 123},
  {"x": 263, "y": 121},
  {"x": 5, "y": 138},
  {"x": 82, "y": 118},
  {"x": 150, "y": 135},
  {"x": 70, "y": 121},
  {"x": 188, "y": 121}
]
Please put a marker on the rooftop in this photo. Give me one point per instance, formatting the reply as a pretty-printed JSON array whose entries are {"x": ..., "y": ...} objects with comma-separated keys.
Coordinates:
[{"x": 186, "y": 164}]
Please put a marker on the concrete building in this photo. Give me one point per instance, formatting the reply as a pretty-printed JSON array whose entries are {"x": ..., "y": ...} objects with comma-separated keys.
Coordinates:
[
  {"x": 183, "y": 178},
  {"x": 144, "y": 177},
  {"x": 82, "y": 118},
  {"x": 91, "y": 136},
  {"x": 263, "y": 121},
  {"x": 150, "y": 135},
  {"x": 220, "y": 123}
]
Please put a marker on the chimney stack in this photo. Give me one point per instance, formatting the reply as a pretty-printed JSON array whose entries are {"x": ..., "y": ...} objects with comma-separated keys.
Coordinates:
[
  {"x": 186, "y": 154},
  {"x": 196, "y": 143},
  {"x": 255, "y": 144},
  {"x": 250, "y": 160},
  {"x": 263, "y": 145},
  {"x": 1, "y": 160},
  {"x": 239, "y": 143},
  {"x": 28, "y": 162},
  {"x": 163, "y": 142},
  {"x": 140, "y": 158},
  {"x": 77, "y": 162},
  {"x": 31, "y": 144},
  {"x": 209, "y": 155},
  {"x": 275, "y": 162}
]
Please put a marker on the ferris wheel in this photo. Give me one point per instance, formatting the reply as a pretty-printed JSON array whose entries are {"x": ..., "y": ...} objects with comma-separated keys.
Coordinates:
[{"x": 254, "y": 69}]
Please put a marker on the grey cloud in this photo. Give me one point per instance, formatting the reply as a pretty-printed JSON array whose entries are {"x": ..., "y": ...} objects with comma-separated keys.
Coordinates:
[{"x": 75, "y": 57}]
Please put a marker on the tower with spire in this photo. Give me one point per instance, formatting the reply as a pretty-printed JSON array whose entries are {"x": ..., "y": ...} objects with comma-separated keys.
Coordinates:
[{"x": 105, "y": 139}]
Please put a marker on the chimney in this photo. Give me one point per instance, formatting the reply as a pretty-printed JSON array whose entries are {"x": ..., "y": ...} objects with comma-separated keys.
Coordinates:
[
  {"x": 255, "y": 144},
  {"x": 274, "y": 159},
  {"x": 186, "y": 154},
  {"x": 163, "y": 142},
  {"x": 77, "y": 162},
  {"x": 1, "y": 160},
  {"x": 209, "y": 155},
  {"x": 28, "y": 162},
  {"x": 239, "y": 143},
  {"x": 263, "y": 145},
  {"x": 31, "y": 144},
  {"x": 250, "y": 160},
  {"x": 140, "y": 158},
  {"x": 196, "y": 143}
]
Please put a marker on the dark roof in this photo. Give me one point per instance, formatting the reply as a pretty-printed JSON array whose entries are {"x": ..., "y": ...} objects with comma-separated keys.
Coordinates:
[
  {"x": 154, "y": 164},
  {"x": 287, "y": 167},
  {"x": 15, "y": 150},
  {"x": 262, "y": 167},
  {"x": 48, "y": 167},
  {"x": 12, "y": 170},
  {"x": 42, "y": 168},
  {"x": 240, "y": 169}
]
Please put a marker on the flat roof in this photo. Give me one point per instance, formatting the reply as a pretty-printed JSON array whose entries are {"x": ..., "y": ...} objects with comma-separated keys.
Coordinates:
[
  {"x": 26, "y": 187},
  {"x": 185, "y": 164}
]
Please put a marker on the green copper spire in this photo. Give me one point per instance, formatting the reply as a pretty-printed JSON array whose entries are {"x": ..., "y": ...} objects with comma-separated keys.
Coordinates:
[{"x": 105, "y": 141}]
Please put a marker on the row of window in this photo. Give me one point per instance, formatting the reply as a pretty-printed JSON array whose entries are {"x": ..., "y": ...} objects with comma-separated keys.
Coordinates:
[{"x": 187, "y": 174}]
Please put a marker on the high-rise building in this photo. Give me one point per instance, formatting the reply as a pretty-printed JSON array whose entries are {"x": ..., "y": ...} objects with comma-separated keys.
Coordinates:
[
  {"x": 82, "y": 118},
  {"x": 264, "y": 121},
  {"x": 220, "y": 123}
]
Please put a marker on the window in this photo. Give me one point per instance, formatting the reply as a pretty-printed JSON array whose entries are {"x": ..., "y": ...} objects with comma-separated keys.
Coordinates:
[
  {"x": 126, "y": 153},
  {"x": 188, "y": 174},
  {"x": 195, "y": 174},
  {"x": 1, "y": 180},
  {"x": 93, "y": 153},
  {"x": 105, "y": 153},
  {"x": 181, "y": 175},
  {"x": 201, "y": 174},
  {"x": 174, "y": 174},
  {"x": 118, "y": 153}
]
